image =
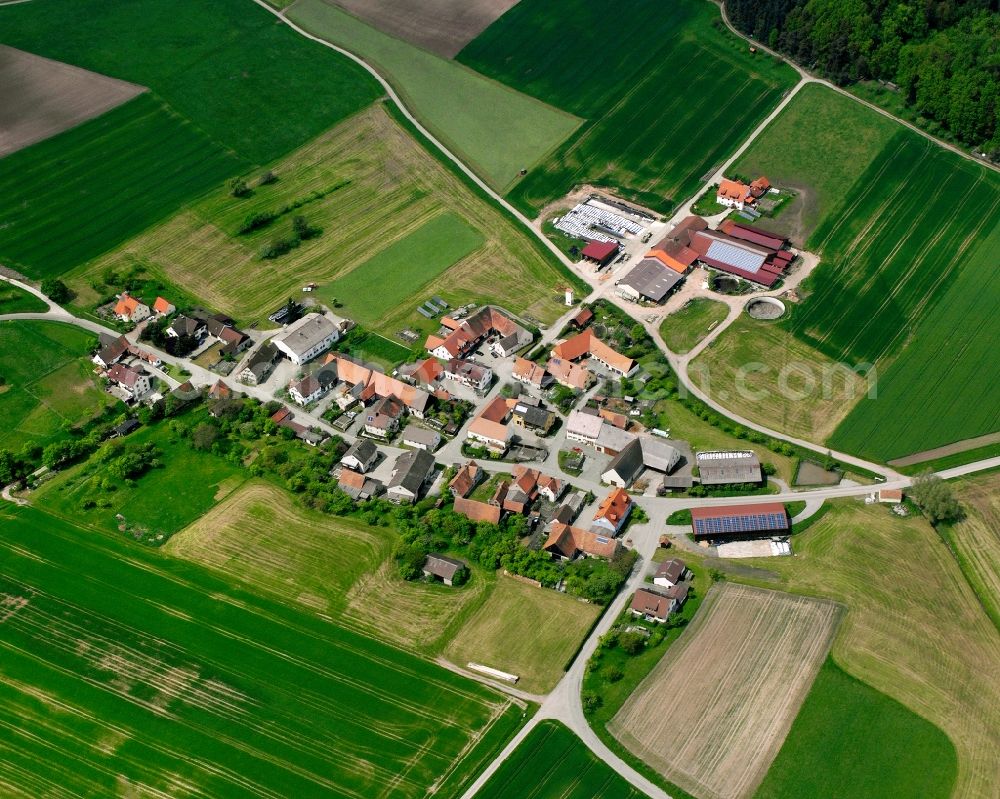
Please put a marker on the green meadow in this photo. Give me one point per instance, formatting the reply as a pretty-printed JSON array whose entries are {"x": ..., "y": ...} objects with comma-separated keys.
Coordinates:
[
  {"x": 667, "y": 93},
  {"x": 853, "y": 742},
  {"x": 124, "y": 671},
  {"x": 396, "y": 274},
  {"x": 159, "y": 503},
  {"x": 70, "y": 198},
  {"x": 54, "y": 388},
  {"x": 17, "y": 300},
  {"x": 493, "y": 128},
  {"x": 552, "y": 763}
]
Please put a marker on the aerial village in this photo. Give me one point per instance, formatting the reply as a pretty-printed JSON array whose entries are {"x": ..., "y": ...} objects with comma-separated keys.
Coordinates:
[{"x": 497, "y": 419}]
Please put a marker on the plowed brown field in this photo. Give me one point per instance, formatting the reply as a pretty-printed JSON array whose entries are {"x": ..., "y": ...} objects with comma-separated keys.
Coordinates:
[
  {"x": 40, "y": 97},
  {"x": 714, "y": 712}
]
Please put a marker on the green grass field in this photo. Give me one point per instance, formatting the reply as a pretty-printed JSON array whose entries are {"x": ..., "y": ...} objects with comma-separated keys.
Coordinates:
[
  {"x": 159, "y": 503},
  {"x": 819, "y": 145},
  {"x": 72, "y": 197},
  {"x": 368, "y": 346},
  {"x": 552, "y": 763},
  {"x": 17, "y": 300},
  {"x": 526, "y": 631},
  {"x": 52, "y": 388},
  {"x": 496, "y": 130},
  {"x": 683, "y": 329},
  {"x": 244, "y": 79},
  {"x": 400, "y": 272},
  {"x": 126, "y": 672},
  {"x": 230, "y": 87},
  {"x": 777, "y": 379},
  {"x": 664, "y": 110},
  {"x": 853, "y": 742},
  {"x": 885, "y": 636},
  {"x": 259, "y": 538},
  {"x": 368, "y": 185}
]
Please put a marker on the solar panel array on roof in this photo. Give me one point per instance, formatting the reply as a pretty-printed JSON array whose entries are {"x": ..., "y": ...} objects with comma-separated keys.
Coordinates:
[
  {"x": 743, "y": 523},
  {"x": 737, "y": 257}
]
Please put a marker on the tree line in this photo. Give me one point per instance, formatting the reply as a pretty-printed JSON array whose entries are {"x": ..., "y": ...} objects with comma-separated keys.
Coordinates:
[{"x": 942, "y": 55}]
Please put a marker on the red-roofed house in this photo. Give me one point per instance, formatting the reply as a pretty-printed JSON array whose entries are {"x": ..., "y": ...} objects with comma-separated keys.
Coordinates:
[
  {"x": 567, "y": 543},
  {"x": 467, "y": 336},
  {"x": 530, "y": 373},
  {"x": 613, "y": 511},
  {"x": 129, "y": 309},
  {"x": 586, "y": 343},
  {"x": 657, "y": 604},
  {"x": 476, "y": 511},
  {"x": 466, "y": 479},
  {"x": 163, "y": 307}
]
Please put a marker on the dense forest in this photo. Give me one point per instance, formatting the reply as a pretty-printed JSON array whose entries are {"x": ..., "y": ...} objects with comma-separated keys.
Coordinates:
[{"x": 944, "y": 55}]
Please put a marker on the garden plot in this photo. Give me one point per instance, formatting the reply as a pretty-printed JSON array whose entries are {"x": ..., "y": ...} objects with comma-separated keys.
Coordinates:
[
  {"x": 714, "y": 712},
  {"x": 40, "y": 97}
]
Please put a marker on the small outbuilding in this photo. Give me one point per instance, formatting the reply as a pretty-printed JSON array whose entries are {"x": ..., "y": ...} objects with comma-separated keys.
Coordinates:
[
  {"x": 600, "y": 252},
  {"x": 448, "y": 570}
]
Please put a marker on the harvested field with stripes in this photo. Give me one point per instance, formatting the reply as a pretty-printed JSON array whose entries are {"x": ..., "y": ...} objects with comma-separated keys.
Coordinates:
[
  {"x": 976, "y": 539},
  {"x": 552, "y": 763},
  {"x": 123, "y": 672},
  {"x": 914, "y": 630},
  {"x": 369, "y": 186},
  {"x": 663, "y": 111},
  {"x": 261, "y": 539},
  {"x": 714, "y": 712}
]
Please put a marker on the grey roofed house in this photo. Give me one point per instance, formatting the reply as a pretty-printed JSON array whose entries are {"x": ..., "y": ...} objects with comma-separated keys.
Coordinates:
[
  {"x": 361, "y": 456},
  {"x": 124, "y": 428},
  {"x": 532, "y": 415},
  {"x": 443, "y": 567},
  {"x": 186, "y": 326},
  {"x": 612, "y": 439},
  {"x": 721, "y": 468},
  {"x": 651, "y": 279},
  {"x": 306, "y": 337},
  {"x": 409, "y": 474},
  {"x": 421, "y": 437},
  {"x": 644, "y": 452},
  {"x": 112, "y": 349},
  {"x": 658, "y": 455},
  {"x": 259, "y": 364}
]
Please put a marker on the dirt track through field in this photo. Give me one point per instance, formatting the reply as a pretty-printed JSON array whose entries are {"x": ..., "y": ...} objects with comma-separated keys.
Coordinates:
[
  {"x": 714, "y": 712},
  {"x": 40, "y": 97},
  {"x": 948, "y": 449}
]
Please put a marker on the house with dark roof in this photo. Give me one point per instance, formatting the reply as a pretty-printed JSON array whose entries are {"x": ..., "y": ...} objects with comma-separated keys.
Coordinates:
[
  {"x": 126, "y": 427},
  {"x": 469, "y": 373},
  {"x": 443, "y": 568},
  {"x": 134, "y": 382},
  {"x": 258, "y": 366},
  {"x": 410, "y": 474},
  {"x": 533, "y": 417},
  {"x": 669, "y": 573},
  {"x": 642, "y": 452},
  {"x": 727, "y": 467},
  {"x": 749, "y": 520},
  {"x": 111, "y": 350},
  {"x": 311, "y": 387},
  {"x": 361, "y": 457},
  {"x": 186, "y": 326},
  {"x": 657, "y": 604}
]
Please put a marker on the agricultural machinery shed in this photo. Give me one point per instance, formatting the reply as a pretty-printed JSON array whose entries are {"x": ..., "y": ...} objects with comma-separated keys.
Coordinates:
[{"x": 730, "y": 521}]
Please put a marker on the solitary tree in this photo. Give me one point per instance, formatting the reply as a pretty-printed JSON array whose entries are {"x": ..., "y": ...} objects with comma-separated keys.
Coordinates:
[
  {"x": 56, "y": 290},
  {"x": 238, "y": 187},
  {"x": 934, "y": 497}
]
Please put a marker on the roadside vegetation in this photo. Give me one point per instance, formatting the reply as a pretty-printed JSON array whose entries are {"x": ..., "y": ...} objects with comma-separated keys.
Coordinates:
[
  {"x": 680, "y": 75},
  {"x": 17, "y": 300}
]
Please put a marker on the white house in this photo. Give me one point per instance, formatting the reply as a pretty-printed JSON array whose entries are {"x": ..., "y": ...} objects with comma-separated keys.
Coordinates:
[
  {"x": 469, "y": 373},
  {"x": 134, "y": 381},
  {"x": 583, "y": 427},
  {"x": 670, "y": 573},
  {"x": 306, "y": 338},
  {"x": 308, "y": 389}
]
